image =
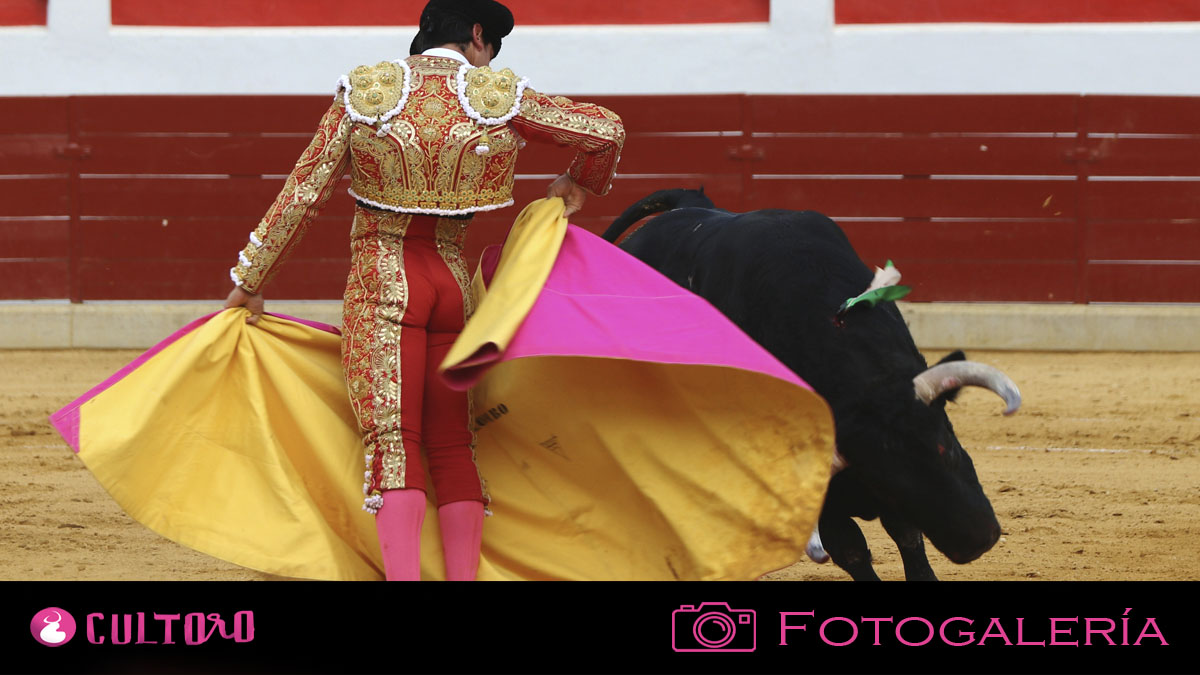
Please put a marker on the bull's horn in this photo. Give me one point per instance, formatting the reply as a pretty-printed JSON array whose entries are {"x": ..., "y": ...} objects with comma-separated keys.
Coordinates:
[{"x": 953, "y": 374}]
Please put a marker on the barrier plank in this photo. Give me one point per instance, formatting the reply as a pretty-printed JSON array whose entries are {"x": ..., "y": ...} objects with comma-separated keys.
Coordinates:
[
  {"x": 1144, "y": 241},
  {"x": 169, "y": 196},
  {"x": 1143, "y": 200},
  {"x": 647, "y": 153},
  {"x": 34, "y": 154},
  {"x": 36, "y": 279},
  {"x": 917, "y": 198},
  {"x": 1124, "y": 156},
  {"x": 164, "y": 279},
  {"x": 144, "y": 114},
  {"x": 199, "y": 238},
  {"x": 1143, "y": 114},
  {"x": 682, "y": 113},
  {"x": 998, "y": 241},
  {"x": 33, "y": 114},
  {"x": 240, "y": 155},
  {"x": 1144, "y": 282},
  {"x": 34, "y": 196},
  {"x": 913, "y": 113},
  {"x": 878, "y": 154},
  {"x": 944, "y": 281},
  {"x": 34, "y": 238}
]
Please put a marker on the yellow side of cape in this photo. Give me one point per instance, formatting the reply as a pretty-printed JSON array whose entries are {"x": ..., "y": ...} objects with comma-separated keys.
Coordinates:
[{"x": 239, "y": 441}]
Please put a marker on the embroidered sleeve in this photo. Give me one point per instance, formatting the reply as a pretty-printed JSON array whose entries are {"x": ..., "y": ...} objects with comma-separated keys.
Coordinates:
[
  {"x": 596, "y": 133},
  {"x": 307, "y": 189}
]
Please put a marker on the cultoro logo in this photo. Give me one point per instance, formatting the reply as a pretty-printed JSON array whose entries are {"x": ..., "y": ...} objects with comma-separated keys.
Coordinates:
[
  {"x": 53, "y": 627},
  {"x": 152, "y": 628}
]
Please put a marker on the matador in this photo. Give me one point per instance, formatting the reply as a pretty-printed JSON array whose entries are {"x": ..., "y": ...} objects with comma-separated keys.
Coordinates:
[{"x": 430, "y": 140}]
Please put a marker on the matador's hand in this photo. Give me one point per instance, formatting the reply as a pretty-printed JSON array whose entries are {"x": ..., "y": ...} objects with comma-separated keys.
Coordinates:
[
  {"x": 239, "y": 297},
  {"x": 572, "y": 195}
]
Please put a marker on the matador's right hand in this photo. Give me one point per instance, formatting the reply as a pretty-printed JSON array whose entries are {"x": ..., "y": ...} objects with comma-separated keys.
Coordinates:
[
  {"x": 239, "y": 297},
  {"x": 572, "y": 195}
]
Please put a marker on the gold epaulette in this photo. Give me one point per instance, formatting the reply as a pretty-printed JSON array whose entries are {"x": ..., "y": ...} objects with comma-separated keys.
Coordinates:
[
  {"x": 491, "y": 97},
  {"x": 376, "y": 93}
]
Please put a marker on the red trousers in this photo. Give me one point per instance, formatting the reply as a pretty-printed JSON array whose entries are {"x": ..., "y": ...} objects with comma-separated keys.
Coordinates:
[{"x": 406, "y": 302}]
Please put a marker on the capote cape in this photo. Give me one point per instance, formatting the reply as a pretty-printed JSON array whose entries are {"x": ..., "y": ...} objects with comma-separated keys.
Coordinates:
[{"x": 626, "y": 430}]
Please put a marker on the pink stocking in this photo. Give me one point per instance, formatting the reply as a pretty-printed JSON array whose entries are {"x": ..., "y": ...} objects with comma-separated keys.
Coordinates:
[
  {"x": 462, "y": 529},
  {"x": 399, "y": 526}
]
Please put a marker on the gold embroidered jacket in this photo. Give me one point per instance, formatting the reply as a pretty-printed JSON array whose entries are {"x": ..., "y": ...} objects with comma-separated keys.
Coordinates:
[{"x": 430, "y": 135}]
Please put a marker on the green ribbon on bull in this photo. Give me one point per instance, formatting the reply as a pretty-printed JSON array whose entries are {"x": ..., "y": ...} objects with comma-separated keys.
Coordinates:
[{"x": 875, "y": 296}]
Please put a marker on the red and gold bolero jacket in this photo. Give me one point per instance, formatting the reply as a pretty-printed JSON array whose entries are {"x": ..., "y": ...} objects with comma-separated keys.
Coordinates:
[{"x": 430, "y": 135}]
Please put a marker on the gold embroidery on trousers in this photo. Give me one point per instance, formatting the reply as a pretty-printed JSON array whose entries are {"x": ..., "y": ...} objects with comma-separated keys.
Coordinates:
[{"x": 385, "y": 360}]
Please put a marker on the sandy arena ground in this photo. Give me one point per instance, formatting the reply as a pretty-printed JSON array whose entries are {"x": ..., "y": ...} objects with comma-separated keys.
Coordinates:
[{"x": 1096, "y": 478}]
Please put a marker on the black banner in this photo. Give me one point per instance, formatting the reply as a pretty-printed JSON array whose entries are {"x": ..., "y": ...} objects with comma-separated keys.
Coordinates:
[{"x": 627, "y": 627}]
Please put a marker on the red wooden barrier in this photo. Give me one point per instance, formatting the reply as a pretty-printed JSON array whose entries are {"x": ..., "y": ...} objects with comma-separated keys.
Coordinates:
[
  {"x": 35, "y": 204},
  {"x": 405, "y": 12},
  {"x": 23, "y": 13},
  {"x": 972, "y": 197},
  {"x": 1142, "y": 201},
  {"x": 992, "y": 198},
  {"x": 1014, "y": 11}
]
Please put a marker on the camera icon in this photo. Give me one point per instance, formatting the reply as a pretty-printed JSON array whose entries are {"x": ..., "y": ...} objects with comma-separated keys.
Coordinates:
[{"x": 712, "y": 627}]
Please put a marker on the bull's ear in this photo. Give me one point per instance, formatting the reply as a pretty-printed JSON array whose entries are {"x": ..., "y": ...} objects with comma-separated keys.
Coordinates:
[
  {"x": 956, "y": 355},
  {"x": 949, "y": 394}
]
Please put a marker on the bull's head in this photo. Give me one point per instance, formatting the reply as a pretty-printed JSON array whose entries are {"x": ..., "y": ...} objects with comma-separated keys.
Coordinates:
[{"x": 913, "y": 462}]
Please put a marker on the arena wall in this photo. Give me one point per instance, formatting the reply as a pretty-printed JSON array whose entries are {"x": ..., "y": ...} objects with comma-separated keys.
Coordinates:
[
  {"x": 1009, "y": 47},
  {"x": 1001, "y": 153}
]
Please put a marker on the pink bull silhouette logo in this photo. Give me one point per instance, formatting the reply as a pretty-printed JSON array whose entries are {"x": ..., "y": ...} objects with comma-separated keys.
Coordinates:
[
  {"x": 53, "y": 627},
  {"x": 712, "y": 627}
]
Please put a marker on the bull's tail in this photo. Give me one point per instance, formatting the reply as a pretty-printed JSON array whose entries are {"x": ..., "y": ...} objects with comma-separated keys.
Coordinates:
[{"x": 663, "y": 200}]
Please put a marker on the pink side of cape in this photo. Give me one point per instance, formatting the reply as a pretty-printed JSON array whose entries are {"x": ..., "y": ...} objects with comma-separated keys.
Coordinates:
[
  {"x": 602, "y": 302},
  {"x": 66, "y": 420}
]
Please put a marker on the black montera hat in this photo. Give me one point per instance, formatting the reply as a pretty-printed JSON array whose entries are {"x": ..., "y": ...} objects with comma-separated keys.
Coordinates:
[{"x": 496, "y": 19}]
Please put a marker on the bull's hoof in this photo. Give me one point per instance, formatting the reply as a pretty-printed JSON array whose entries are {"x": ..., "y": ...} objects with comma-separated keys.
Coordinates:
[{"x": 815, "y": 551}]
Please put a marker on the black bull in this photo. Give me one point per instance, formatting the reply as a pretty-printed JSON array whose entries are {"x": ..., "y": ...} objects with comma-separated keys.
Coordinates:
[{"x": 781, "y": 276}]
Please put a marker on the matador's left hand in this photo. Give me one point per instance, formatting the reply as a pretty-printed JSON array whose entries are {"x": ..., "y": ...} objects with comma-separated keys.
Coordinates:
[
  {"x": 572, "y": 195},
  {"x": 240, "y": 297}
]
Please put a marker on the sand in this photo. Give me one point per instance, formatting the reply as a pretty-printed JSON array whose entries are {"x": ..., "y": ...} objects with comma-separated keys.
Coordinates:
[{"x": 1097, "y": 477}]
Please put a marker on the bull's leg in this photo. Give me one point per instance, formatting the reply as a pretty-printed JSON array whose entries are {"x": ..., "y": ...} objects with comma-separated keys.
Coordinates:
[
  {"x": 912, "y": 547},
  {"x": 845, "y": 544}
]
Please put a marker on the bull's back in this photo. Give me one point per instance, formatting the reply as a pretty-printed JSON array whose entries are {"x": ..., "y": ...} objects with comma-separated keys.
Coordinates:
[
  {"x": 782, "y": 262},
  {"x": 781, "y": 277},
  {"x": 674, "y": 242}
]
